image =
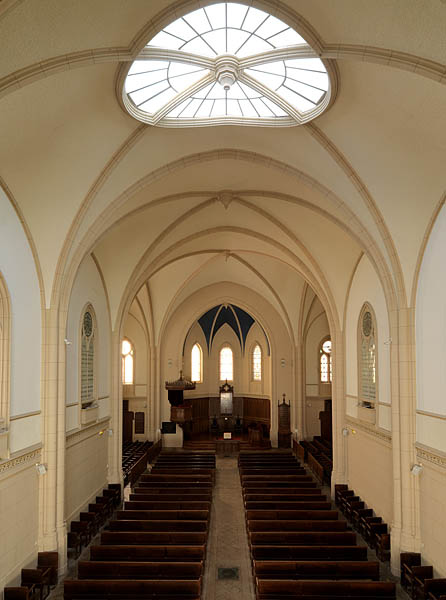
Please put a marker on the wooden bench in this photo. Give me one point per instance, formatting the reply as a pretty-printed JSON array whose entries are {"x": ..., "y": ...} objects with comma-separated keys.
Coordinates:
[
  {"x": 308, "y": 515},
  {"x": 163, "y": 515},
  {"x": 139, "y": 570},
  {"x": 129, "y": 590},
  {"x": 290, "y": 498},
  {"x": 176, "y": 478},
  {"x": 316, "y": 569},
  {"x": 152, "y": 538},
  {"x": 301, "y": 525},
  {"x": 19, "y": 593},
  {"x": 181, "y": 493},
  {"x": 277, "y": 484},
  {"x": 201, "y": 497},
  {"x": 304, "y": 590},
  {"x": 407, "y": 561},
  {"x": 433, "y": 589},
  {"x": 129, "y": 525},
  {"x": 149, "y": 553},
  {"x": 179, "y": 485},
  {"x": 304, "y": 538},
  {"x": 295, "y": 489},
  {"x": 298, "y": 505},
  {"x": 166, "y": 505},
  {"x": 332, "y": 552},
  {"x": 308, "y": 505}
]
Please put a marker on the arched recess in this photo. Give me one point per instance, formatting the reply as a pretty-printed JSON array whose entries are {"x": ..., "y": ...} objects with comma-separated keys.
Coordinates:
[{"x": 190, "y": 310}]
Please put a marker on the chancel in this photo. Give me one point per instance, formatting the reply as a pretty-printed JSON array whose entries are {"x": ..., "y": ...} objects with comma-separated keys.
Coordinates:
[{"x": 222, "y": 298}]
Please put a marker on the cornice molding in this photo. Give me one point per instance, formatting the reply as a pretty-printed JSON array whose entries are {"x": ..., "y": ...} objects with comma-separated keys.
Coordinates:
[
  {"x": 381, "y": 434},
  {"x": 435, "y": 457},
  {"x": 24, "y": 460}
]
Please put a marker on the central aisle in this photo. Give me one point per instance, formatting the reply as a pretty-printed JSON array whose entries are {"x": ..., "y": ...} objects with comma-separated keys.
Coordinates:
[{"x": 228, "y": 542}]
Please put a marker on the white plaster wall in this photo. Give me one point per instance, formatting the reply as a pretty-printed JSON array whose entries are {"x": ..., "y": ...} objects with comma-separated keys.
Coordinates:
[
  {"x": 86, "y": 465},
  {"x": 430, "y": 319},
  {"x": 19, "y": 271},
  {"x": 370, "y": 472},
  {"x": 88, "y": 288},
  {"x": 19, "y": 514},
  {"x": 433, "y": 517},
  {"x": 366, "y": 287}
]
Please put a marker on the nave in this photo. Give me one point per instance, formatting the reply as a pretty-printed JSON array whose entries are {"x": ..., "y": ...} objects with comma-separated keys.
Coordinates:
[{"x": 254, "y": 527}]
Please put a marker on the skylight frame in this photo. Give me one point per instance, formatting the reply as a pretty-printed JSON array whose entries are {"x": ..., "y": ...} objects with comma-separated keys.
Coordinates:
[{"x": 294, "y": 115}]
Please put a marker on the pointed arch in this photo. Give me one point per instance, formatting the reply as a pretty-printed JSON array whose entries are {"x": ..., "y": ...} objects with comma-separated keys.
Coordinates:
[
  {"x": 226, "y": 363},
  {"x": 256, "y": 363}
]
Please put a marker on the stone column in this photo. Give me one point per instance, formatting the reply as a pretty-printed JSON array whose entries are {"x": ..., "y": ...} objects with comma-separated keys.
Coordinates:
[{"x": 339, "y": 473}]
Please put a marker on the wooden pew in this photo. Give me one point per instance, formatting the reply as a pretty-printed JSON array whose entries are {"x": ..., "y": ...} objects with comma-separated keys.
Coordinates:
[
  {"x": 19, "y": 593},
  {"x": 304, "y": 538},
  {"x": 189, "y": 478},
  {"x": 200, "y": 497},
  {"x": 268, "y": 589},
  {"x": 182, "y": 493},
  {"x": 179, "y": 485},
  {"x": 166, "y": 505},
  {"x": 298, "y": 506},
  {"x": 163, "y": 515},
  {"x": 332, "y": 552},
  {"x": 132, "y": 590},
  {"x": 149, "y": 553},
  {"x": 152, "y": 538},
  {"x": 301, "y": 525},
  {"x": 308, "y": 515},
  {"x": 88, "y": 569},
  {"x": 310, "y": 505},
  {"x": 407, "y": 561},
  {"x": 129, "y": 525},
  {"x": 316, "y": 569}
]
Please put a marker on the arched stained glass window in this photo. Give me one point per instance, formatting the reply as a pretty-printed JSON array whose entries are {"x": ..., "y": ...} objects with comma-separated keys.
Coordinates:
[
  {"x": 226, "y": 364},
  {"x": 128, "y": 365},
  {"x": 88, "y": 357},
  {"x": 367, "y": 356},
  {"x": 197, "y": 363},
  {"x": 325, "y": 362},
  {"x": 257, "y": 363}
]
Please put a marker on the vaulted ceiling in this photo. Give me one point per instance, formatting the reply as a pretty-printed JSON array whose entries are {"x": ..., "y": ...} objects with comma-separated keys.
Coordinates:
[{"x": 181, "y": 208}]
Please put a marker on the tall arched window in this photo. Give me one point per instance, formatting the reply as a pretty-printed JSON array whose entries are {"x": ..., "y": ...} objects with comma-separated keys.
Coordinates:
[
  {"x": 226, "y": 364},
  {"x": 257, "y": 363},
  {"x": 88, "y": 355},
  {"x": 196, "y": 361},
  {"x": 128, "y": 362},
  {"x": 325, "y": 362},
  {"x": 367, "y": 356}
]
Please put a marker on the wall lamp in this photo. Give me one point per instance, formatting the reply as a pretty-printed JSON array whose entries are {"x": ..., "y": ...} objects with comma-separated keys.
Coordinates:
[
  {"x": 416, "y": 469},
  {"x": 41, "y": 468}
]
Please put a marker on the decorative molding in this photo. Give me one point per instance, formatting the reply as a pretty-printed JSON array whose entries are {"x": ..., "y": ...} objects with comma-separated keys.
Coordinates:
[
  {"x": 80, "y": 435},
  {"x": 25, "y": 415},
  {"x": 22, "y": 460},
  {"x": 435, "y": 457},
  {"x": 381, "y": 434},
  {"x": 426, "y": 413}
]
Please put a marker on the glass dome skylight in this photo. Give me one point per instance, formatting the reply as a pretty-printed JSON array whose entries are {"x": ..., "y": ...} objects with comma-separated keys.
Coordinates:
[{"x": 226, "y": 63}]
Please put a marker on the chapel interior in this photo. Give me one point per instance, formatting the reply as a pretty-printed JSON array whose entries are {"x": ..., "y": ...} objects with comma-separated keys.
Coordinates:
[{"x": 222, "y": 269}]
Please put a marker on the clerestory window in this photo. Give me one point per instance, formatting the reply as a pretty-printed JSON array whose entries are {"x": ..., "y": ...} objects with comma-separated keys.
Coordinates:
[
  {"x": 227, "y": 63},
  {"x": 226, "y": 364},
  {"x": 127, "y": 361},
  {"x": 367, "y": 357},
  {"x": 197, "y": 363}
]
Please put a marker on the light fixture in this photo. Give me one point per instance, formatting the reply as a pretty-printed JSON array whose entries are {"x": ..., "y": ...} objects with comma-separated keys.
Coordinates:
[
  {"x": 67, "y": 342},
  {"x": 282, "y": 362},
  {"x": 226, "y": 79},
  {"x": 416, "y": 469},
  {"x": 41, "y": 468},
  {"x": 110, "y": 432},
  {"x": 345, "y": 431}
]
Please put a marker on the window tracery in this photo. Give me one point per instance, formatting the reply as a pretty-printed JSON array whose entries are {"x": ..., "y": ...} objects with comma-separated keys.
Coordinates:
[
  {"x": 367, "y": 357},
  {"x": 257, "y": 363},
  {"x": 325, "y": 362},
  {"x": 88, "y": 357},
  {"x": 127, "y": 360}
]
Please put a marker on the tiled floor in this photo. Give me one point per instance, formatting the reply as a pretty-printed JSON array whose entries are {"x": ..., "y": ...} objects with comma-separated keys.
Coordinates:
[{"x": 227, "y": 543}]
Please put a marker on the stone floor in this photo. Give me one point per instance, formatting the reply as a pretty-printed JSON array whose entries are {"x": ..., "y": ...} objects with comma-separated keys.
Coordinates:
[{"x": 227, "y": 543}]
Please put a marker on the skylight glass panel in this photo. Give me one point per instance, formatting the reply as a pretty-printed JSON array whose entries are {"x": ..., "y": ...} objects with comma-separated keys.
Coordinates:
[
  {"x": 254, "y": 19},
  {"x": 227, "y": 34},
  {"x": 198, "y": 20},
  {"x": 166, "y": 40},
  {"x": 236, "y": 38},
  {"x": 253, "y": 45},
  {"x": 217, "y": 40},
  {"x": 198, "y": 46},
  {"x": 235, "y": 15},
  {"x": 289, "y": 37},
  {"x": 271, "y": 81},
  {"x": 271, "y": 27},
  {"x": 216, "y": 15},
  {"x": 156, "y": 102},
  {"x": 181, "y": 30}
]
